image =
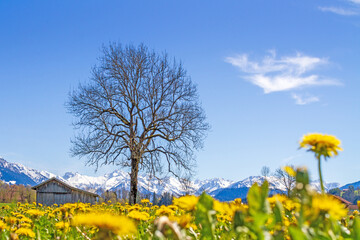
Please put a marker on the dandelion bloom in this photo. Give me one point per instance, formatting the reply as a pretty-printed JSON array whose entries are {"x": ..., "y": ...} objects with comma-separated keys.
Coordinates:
[
  {"x": 35, "y": 212},
  {"x": 62, "y": 225},
  {"x": 290, "y": 171},
  {"x": 187, "y": 203},
  {"x": 164, "y": 210},
  {"x": 184, "y": 220},
  {"x": 321, "y": 144},
  {"x": 323, "y": 203},
  {"x": 25, "y": 232},
  {"x": 144, "y": 201},
  {"x": 3, "y": 225},
  {"x": 119, "y": 225},
  {"x": 144, "y": 216}
]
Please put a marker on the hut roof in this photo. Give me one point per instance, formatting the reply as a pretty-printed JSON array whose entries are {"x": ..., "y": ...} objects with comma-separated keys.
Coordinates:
[
  {"x": 64, "y": 184},
  {"x": 344, "y": 201}
]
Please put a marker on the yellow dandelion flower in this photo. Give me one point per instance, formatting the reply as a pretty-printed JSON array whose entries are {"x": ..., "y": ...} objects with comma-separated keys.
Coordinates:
[
  {"x": 277, "y": 198},
  {"x": 164, "y": 210},
  {"x": 3, "y": 225},
  {"x": 187, "y": 203},
  {"x": 25, "y": 219},
  {"x": 35, "y": 212},
  {"x": 119, "y": 225},
  {"x": 173, "y": 207},
  {"x": 62, "y": 225},
  {"x": 237, "y": 201},
  {"x": 322, "y": 203},
  {"x": 25, "y": 225},
  {"x": 289, "y": 170},
  {"x": 321, "y": 144},
  {"x": 11, "y": 220},
  {"x": 143, "y": 216},
  {"x": 134, "y": 207},
  {"x": 145, "y": 201},
  {"x": 25, "y": 232},
  {"x": 184, "y": 220}
]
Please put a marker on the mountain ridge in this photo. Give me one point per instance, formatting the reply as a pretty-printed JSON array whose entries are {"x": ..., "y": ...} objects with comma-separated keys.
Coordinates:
[{"x": 222, "y": 189}]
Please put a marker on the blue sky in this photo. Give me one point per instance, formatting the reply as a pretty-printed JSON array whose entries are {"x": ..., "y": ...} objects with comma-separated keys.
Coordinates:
[{"x": 267, "y": 73}]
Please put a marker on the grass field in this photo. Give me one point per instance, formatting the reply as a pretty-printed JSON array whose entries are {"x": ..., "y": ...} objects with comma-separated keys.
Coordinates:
[{"x": 9, "y": 204}]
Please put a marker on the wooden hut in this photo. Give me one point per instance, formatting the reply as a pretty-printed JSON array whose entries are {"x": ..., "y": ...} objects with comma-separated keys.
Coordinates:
[
  {"x": 54, "y": 191},
  {"x": 348, "y": 204}
]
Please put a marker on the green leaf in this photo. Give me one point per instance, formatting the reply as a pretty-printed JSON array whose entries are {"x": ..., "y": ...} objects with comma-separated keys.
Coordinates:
[
  {"x": 296, "y": 233},
  {"x": 204, "y": 216},
  {"x": 356, "y": 229},
  {"x": 239, "y": 219},
  {"x": 278, "y": 210}
]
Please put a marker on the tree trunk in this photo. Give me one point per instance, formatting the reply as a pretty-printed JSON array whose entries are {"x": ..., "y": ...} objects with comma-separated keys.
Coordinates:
[{"x": 133, "y": 180}]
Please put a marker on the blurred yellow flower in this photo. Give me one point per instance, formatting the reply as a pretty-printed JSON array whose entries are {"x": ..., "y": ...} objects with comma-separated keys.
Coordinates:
[
  {"x": 35, "y": 212},
  {"x": 238, "y": 201},
  {"x": 25, "y": 219},
  {"x": 143, "y": 216},
  {"x": 25, "y": 232},
  {"x": 164, "y": 210},
  {"x": 62, "y": 225},
  {"x": 280, "y": 198},
  {"x": 119, "y": 225},
  {"x": 184, "y": 220},
  {"x": 3, "y": 225},
  {"x": 321, "y": 144},
  {"x": 187, "y": 202},
  {"x": 289, "y": 170},
  {"x": 323, "y": 203}
]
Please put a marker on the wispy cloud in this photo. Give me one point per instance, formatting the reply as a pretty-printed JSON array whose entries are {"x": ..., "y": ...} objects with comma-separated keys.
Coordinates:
[
  {"x": 302, "y": 100},
  {"x": 290, "y": 159},
  {"x": 339, "y": 10},
  {"x": 348, "y": 8},
  {"x": 274, "y": 74},
  {"x": 355, "y": 1}
]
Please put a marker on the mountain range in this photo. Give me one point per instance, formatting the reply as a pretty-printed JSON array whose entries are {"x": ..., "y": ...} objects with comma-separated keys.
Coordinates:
[{"x": 221, "y": 189}]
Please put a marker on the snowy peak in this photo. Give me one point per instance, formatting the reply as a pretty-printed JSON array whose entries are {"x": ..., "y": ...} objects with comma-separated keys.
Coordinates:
[
  {"x": 211, "y": 185},
  {"x": 219, "y": 188},
  {"x": 16, "y": 173}
]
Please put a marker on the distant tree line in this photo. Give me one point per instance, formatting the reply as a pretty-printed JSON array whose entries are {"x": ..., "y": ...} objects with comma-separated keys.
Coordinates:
[
  {"x": 351, "y": 194},
  {"x": 123, "y": 195},
  {"x": 285, "y": 179},
  {"x": 16, "y": 193}
]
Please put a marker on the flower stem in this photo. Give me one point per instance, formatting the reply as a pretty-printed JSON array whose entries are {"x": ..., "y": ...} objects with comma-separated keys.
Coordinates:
[{"x": 320, "y": 175}]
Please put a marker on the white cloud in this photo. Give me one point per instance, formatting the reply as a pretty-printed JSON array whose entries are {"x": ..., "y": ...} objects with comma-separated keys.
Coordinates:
[
  {"x": 340, "y": 11},
  {"x": 302, "y": 100},
  {"x": 281, "y": 74},
  {"x": 355, "y": 1}
]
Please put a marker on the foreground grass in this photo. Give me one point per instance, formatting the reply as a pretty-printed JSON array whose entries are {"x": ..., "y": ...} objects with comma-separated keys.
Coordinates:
[
  {"x": 7, "y": 204},
  {"x": 306, "y": 215}
]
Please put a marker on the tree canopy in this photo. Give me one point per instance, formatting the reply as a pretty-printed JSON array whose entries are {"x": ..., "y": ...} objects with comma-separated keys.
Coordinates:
[{"x": 140, "y": 110}]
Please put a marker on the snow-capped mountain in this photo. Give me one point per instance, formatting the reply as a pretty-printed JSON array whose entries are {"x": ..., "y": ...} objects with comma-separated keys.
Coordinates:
[
  {"x": 15, "y": 173},
  {"x": 327, "y": 186},
  {"x": 210, "y": 185},
  {"x": 219, "y": 188}
]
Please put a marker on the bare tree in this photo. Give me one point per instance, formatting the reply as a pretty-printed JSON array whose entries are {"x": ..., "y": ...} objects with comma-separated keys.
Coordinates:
[
  {"x": 139, "y": 110},
  {"x": 286, "y": 180},
  {"x": 265, "y": 172},
  {"x": 187, "y": 185}
]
